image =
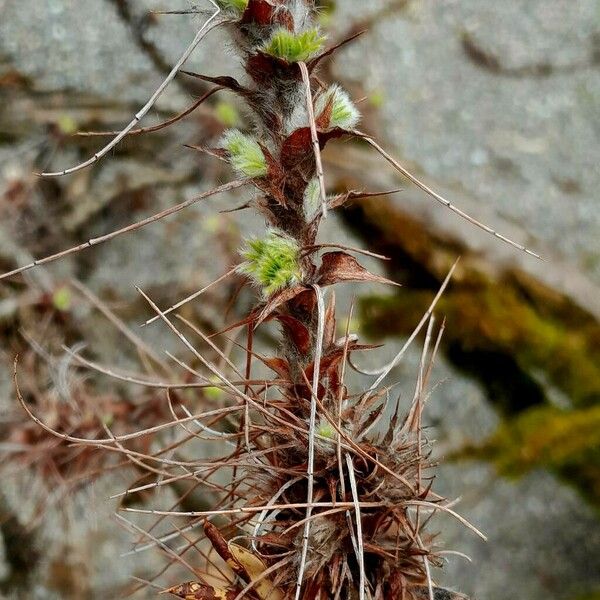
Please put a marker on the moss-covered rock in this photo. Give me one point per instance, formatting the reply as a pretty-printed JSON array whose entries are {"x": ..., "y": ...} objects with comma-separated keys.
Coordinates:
[
  {"x": 565, "y": 441},
  {"x": 523, "y": 341},
  {"x": 493, "y": 319}
]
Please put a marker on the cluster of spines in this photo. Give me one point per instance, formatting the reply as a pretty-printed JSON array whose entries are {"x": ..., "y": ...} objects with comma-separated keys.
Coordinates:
[{"x": 273, "y": 262}]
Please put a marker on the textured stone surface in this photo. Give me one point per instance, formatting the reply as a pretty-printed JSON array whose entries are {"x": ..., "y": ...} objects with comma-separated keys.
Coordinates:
[{"x": 525, "y": 145}]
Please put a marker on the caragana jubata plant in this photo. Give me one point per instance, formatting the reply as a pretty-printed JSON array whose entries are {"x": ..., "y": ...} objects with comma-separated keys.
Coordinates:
[{"x": 326, "y": 499}]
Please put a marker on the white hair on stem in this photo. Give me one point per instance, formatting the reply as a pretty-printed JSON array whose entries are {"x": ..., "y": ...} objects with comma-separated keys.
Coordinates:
[
  {"x": 360, "y": 551},
  {"x": 314, "y": 136},
  {"x": 311, "y": 433}
]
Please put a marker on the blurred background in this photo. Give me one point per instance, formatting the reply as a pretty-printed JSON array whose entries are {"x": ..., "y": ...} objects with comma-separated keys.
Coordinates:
[{"x": 496, "y": 104}]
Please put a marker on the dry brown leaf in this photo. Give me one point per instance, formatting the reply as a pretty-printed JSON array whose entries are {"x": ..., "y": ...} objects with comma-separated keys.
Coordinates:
[
  {"x": 201, "y": 591},
  {"x": 244, "y": 564},
  {"x": 298, "y": 332},
  {"x": 278, "y": 365},
  {"x": 277, "y": 300},
  {"x": 264, "y": 13},
  {"x": 340, "y": 266},
  {"x": 255, "y": 567},
  {"x": 298, "y": 146}
]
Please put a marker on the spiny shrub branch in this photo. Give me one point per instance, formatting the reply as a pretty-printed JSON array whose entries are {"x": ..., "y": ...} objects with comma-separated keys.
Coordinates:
[{"x": 323, "y": 493}]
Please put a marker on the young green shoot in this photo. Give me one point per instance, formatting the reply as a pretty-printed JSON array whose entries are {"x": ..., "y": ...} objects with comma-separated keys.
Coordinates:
[
  {"x": 344, "y": 113},
  {"x": 233, "y": 6},
  {"x": 312, "y": 198},
  {"x": 272, "y": 262},
  {"x": 294, "y": 47},
  {"x": 245, "y": 154}
]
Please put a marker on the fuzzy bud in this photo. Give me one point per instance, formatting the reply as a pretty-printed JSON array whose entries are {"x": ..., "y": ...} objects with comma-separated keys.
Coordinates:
[
  {"x": 312, "y": 198},
  {"x": 272, "y": 262},
  {"x": 245, "y": 154},
  {"x": 326, "y": 430},
  {"x": 344, "y": 113},
  {"x": 294, "y": 47}
]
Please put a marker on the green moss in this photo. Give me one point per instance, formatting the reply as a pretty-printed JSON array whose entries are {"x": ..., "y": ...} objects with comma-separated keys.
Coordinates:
[
  {"x": 245, "y": 154},
  {"x": 564, "y": 441},
  {"x": 272, "y": 262},
  {"x": 491, "y": 317},
  {"x": 294, "y": 47},
  {"x": 592, "y": 595}
]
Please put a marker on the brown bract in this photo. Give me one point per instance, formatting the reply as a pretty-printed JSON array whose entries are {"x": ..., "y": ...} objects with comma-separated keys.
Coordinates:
[
  {"x": 337, "y": 267},
  {"x": 194, "y": 590},
  {"x": 265, "y": 13}
]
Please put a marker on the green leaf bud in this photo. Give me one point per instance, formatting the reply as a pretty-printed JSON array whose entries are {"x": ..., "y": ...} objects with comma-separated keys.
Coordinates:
[
  {"x": 294, "y": 47},
  {"x": 235, "y": 6},
  {"x": 272, "y": 262},
  {"x": 245, "y": 154},
  {"x": 344, "y": 113},
  {"x": 312, "y": 198}
]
